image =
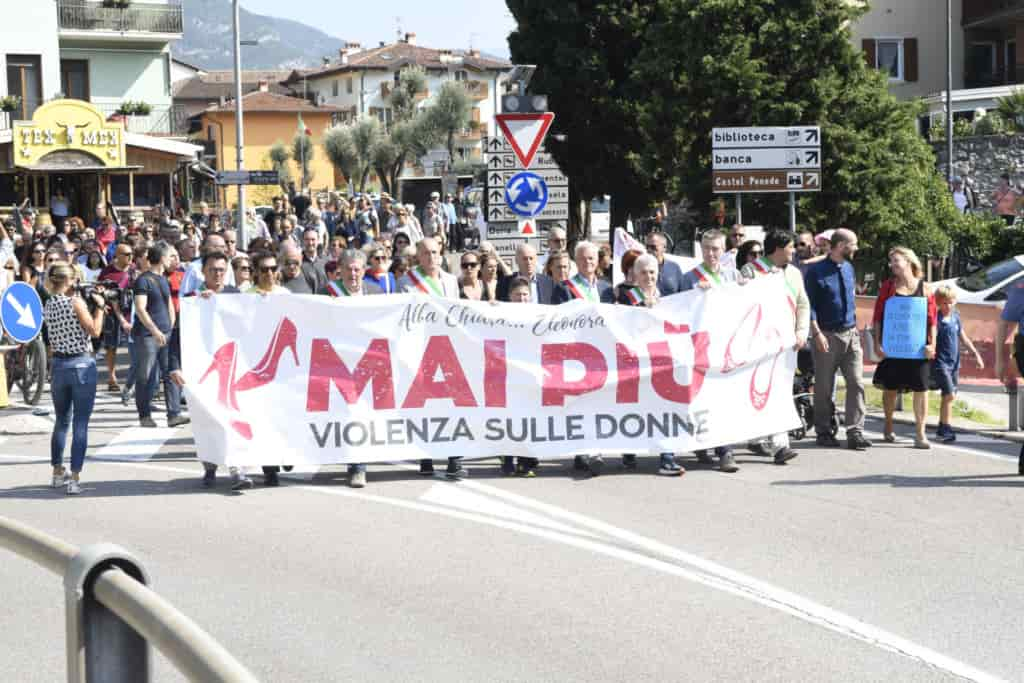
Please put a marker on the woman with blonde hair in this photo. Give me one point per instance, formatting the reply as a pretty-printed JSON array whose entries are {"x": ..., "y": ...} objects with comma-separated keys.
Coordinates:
[{"x": 899, "y": 375}]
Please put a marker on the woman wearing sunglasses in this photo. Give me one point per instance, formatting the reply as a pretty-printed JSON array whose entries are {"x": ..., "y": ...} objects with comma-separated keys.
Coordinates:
[
  {"x": 377, "y": 270},
  {"x": 470, "y": 285},
  {"x": 33, "y": 262}
]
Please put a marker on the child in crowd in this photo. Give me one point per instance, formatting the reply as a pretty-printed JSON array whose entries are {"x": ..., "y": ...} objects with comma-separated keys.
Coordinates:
[
  {"x": 946, "y": 366},
  {"x": 519, "y": 292}
]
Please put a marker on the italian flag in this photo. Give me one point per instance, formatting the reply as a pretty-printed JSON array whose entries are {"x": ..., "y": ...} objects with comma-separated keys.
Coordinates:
[{"x": 303, "y": 129}]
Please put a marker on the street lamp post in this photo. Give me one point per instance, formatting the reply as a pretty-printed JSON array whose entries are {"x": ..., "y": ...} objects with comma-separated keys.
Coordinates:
[
  {"x": 243, "y": 237},
  {"x": 949, "y": 92}
]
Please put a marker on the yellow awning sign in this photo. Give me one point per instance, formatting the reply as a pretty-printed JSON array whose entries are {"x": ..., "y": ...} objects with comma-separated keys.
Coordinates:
[{"x": 69, "y": 125}]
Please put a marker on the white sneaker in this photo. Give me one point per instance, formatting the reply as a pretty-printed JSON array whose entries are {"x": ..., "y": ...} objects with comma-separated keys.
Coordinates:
[
  {"x": 74, "y": 487},
  {"x": 59, "y": 480},
  {"x": 358, "y": 479}
]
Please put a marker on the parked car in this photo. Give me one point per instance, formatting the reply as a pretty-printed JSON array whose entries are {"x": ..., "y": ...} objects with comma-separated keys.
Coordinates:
[{"x": 989, "y": 285}]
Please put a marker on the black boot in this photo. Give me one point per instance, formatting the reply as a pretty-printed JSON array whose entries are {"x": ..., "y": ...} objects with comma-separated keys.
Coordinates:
[{"x": 1020, "y": 461}]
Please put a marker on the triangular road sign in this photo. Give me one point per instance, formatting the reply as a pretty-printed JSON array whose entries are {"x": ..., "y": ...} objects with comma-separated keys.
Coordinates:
[
  {"x": 527, "y": 228},
  {"x": 525, "y": 132}
]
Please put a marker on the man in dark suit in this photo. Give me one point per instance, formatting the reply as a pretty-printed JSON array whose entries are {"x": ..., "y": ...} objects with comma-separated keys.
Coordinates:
[
  {"x": 542, "y": 288},
  {"x": 585, "y": 284},
  {"x": 670, "y": 275}
]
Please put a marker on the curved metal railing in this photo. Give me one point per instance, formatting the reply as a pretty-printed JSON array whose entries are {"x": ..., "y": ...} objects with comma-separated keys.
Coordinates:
[{"x": 113, "y": 616}]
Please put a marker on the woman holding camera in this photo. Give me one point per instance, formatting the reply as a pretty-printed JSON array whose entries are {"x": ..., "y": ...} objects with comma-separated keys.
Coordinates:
[{"x": 71, "y": 325}]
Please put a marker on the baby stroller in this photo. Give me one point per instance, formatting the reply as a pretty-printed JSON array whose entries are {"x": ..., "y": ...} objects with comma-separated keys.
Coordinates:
[{"x": 803, "y": 397}]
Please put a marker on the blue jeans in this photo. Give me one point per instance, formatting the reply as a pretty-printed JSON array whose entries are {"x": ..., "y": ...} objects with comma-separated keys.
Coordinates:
[
  {"x": 130, "y": 381},
  {"x": 73, "y": 387},
  {"x": 152, "y": 365}
]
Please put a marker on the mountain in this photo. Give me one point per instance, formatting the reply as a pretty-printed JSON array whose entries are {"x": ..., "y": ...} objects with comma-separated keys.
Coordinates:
[{"x": 283, "y": 44}]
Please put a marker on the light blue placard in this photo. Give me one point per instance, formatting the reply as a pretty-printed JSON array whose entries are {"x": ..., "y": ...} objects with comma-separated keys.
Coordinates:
[{"x": 905, "y": 327}]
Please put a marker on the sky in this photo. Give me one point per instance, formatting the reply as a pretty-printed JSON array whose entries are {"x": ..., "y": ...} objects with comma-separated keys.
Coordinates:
[{"x": 457, "y": 24}]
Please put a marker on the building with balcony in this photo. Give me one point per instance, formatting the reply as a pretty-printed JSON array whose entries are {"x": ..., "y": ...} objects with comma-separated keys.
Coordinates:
[
  {"x": 360, "y": 81},
  {"x": 84, "y": 65},
  {"x": 907, "y": 40},
  {"x": 269, "y": 118}
]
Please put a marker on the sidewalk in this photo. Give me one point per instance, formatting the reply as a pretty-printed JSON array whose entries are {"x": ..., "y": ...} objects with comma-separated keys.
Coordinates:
[{"x": 986, "y": 398}]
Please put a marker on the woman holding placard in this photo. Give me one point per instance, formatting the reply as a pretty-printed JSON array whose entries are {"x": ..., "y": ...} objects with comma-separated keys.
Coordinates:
[{"x": 905, "y": 331}]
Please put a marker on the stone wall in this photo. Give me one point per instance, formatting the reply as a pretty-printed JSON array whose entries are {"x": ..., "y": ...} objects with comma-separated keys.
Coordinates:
[{"x": 982, "y": 159}]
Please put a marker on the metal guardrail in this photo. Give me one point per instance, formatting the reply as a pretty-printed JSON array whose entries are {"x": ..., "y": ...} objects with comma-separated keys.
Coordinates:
[
  {"x": 79, "y": 15},
  {"x": 113, "y": 616}
]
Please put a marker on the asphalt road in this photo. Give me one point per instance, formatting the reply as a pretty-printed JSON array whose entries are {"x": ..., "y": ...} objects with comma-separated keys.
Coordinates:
[{"x": 894, "y": 564}]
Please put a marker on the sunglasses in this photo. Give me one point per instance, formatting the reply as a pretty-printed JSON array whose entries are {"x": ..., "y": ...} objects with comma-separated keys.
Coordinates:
[
  {"x": 378, "y": 257},
  {"x": 293, "y": 263},
  {"x": 38, "y": 251},
  {"x": 470, "y": 264},
  {"x": 268, "y": 269}
]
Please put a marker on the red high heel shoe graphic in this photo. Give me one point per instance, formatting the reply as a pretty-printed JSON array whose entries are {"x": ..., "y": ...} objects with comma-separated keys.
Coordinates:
[{"x": 225, "y": 365}]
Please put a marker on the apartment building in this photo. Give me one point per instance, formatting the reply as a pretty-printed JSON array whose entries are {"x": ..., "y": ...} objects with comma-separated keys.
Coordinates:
[
  {"x": 907, "y": 39},
  {"x": 360, "y": 82},
  {"x": 93, "y": 115}
]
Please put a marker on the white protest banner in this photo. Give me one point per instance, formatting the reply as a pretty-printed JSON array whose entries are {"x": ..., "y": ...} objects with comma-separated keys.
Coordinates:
[
  {"x": 622, "y": 242},
  {"x": 298, "y": 379}
]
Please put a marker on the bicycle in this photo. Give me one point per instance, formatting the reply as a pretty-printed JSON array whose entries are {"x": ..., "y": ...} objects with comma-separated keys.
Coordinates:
[{"x": 26, "y": 368}]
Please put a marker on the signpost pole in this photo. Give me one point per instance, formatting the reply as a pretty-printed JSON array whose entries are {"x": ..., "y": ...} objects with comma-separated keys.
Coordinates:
[
  {"x": 792, "y": 211},
  {"x": 243, "y": 237},
  {"x": 739, "y": 208}
]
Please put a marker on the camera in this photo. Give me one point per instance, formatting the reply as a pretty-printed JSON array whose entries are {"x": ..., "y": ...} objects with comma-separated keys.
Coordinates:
[{"x": 87, "y": 290}]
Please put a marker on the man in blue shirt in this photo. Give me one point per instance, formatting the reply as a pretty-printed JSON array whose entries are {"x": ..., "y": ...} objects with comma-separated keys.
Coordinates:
[
  {"x": 670, "y": 275},
  {"x": 1012, "y": 316},
  {"x": 831, "y": 290}
]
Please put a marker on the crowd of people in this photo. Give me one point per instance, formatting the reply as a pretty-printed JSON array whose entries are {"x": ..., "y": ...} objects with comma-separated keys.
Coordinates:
[{"x": 111, "y": 285}]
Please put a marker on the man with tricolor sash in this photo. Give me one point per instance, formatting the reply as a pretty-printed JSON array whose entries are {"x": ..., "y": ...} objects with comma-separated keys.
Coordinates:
[
  {"x": 585, "y": 285},
  {"x": 350, "y": 281},
  {"x": 708, "y": 275},
  {"x": 427, "y": 279},
  {"x": 779, "y": 246}
]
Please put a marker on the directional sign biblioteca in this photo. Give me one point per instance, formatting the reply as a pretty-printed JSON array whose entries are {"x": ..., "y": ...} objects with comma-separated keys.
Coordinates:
[
  {"x": 766, "y": 159},
  {"x": 21, "y": 312}
]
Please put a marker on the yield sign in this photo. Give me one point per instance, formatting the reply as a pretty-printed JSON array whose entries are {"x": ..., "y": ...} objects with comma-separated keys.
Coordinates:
[
  {"x": 527, "y": 227},
  {"x": 525, "y": 132}
]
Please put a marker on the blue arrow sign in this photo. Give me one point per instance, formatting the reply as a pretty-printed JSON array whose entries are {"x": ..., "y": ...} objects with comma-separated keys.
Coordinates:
[
  {"x": 526, "y": 194},
  {"x": 21, "y": 312}
]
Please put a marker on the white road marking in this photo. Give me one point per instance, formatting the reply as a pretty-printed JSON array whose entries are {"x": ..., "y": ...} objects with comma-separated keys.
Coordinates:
[
  {"x": 135, "y": 443},
  {"x": 459, "y": 498}
]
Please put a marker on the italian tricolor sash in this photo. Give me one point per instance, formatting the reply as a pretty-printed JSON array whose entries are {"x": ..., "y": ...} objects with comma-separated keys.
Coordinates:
[
  {"x": 705, "y": 275},
  {"x": 425, "y": 283},
  {"x": 636, "y": 296},
  {"x": 337, "y": 289},
  {"x": 581, "y": 289},
  {"x": 763, "y": 265}
]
